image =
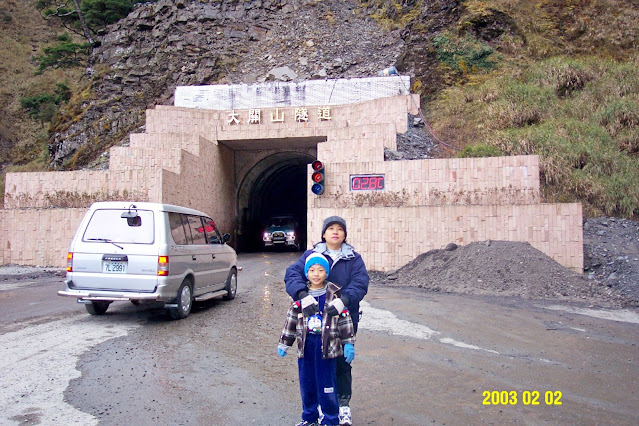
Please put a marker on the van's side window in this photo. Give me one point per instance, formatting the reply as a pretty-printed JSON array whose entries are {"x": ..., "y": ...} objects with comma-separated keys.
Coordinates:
[
  {"x": 177, "y": 228},
  {"x": 212, "y": 234},
  {"x": 197, "y": 229}
]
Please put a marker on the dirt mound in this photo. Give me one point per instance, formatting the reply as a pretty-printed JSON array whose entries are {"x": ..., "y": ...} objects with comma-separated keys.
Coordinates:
[{"x": 501, "y": 268}]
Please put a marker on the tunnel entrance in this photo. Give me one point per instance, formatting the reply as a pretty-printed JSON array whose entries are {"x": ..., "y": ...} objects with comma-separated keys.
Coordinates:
[{"x": 275, "y": 185}]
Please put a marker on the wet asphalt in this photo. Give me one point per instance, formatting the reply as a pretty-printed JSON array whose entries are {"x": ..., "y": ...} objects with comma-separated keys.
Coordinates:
[{"x": 421, "y": 358}]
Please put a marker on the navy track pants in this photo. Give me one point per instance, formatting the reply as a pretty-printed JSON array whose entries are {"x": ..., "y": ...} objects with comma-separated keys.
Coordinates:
[{"x": 317, "y": 382}]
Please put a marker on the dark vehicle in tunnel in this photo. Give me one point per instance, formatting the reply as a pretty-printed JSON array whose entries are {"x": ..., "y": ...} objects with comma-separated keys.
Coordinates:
[{"x": 283, "y": 232}]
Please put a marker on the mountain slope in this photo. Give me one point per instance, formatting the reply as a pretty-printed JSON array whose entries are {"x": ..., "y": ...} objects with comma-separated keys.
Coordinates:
[{"x": 504, "y": 76}]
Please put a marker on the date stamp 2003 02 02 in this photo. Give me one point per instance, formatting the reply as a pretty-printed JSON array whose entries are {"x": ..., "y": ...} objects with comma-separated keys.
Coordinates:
[{"x": 521, "y": 398}]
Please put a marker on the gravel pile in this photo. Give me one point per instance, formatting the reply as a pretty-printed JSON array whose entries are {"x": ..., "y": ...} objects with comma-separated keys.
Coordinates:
[
  {"x": 505, "y": 268},
  {"x": 611, "y": 256}
]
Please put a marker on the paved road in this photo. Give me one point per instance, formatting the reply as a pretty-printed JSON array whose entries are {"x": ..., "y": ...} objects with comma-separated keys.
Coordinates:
[{"x": 422, "y": 358}]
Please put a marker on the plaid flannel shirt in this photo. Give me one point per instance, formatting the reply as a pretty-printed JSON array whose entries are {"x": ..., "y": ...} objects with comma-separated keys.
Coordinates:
[{"x": 336, "y": 331}]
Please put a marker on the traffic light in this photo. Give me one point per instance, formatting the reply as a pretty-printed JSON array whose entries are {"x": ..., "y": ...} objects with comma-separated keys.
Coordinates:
[{"x": 317, "y": 177}]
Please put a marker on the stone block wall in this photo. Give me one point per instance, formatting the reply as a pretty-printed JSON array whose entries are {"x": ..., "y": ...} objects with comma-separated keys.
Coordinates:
[
  {"x": 182, "y": 159},
  {"x": 38, "y": 237},
  {"x": 38, "y": 189},
  {"x": 157, "y": 168},
  {"x": 427, "y": 204},
  {"x": 455, "y": 181},
  {"x": 214, "y": 125},
  {"x": 149, "y": 151},
  {"x": 390, "y": 237},
  {"x": 204, "y": 183}
]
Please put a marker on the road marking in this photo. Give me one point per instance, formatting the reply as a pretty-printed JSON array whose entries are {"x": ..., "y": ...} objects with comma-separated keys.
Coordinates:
[
  {"x": 39, "y": 362},
  {"x": 621, "y": 315},
  {"x": 381, "y": 320},
  {"x": 453, "y": 342}
]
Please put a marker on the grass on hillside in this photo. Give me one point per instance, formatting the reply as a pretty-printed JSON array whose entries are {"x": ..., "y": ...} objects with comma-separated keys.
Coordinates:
[
  {"x": 581, "y": 116},
  {"x": 23, "y": 35}
]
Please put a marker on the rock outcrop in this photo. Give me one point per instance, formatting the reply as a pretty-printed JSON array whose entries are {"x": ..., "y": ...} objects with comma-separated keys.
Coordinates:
[{"x": 161, "y": 45}]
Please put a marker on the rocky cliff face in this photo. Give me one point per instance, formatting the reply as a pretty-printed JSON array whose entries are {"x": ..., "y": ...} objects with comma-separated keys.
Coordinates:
[{"x": 162, "y": 45}]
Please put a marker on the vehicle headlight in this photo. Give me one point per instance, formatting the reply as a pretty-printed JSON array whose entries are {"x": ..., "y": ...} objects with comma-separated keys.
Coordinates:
[
  {"x": 267, "y": 235},
  {"x": 291, "y": 235}
]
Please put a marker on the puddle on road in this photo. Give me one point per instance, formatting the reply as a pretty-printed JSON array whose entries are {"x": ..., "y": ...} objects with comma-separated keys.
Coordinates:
[
  {"x": 40, "y": 361},
  {"x": 622, "y": 315},
  {"x": 381, "y": 320}
]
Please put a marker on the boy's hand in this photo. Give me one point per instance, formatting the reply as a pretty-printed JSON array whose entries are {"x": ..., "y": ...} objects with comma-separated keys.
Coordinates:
[
  {"x": 309, "y": 304},
  {"x": 335, "y": 307},
  {"x": 281, "y": 352},
  {"x": 349, "y": 352}
]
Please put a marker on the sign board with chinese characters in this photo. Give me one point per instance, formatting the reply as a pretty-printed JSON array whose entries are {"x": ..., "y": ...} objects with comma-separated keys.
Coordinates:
[
  {"x": 254, "y": 115},
  {"x": 367, "y": 182}
]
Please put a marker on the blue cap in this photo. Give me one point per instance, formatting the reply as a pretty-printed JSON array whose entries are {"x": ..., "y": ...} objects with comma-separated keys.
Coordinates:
[{"x": 316, "y": 259}]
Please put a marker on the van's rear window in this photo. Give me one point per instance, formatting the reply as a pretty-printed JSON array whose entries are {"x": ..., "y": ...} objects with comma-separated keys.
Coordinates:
[{"x": 108, "y": 225}]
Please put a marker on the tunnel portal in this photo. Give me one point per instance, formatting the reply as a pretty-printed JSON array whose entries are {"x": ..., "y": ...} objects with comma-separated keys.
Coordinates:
[{"x": 276, "y": 185}]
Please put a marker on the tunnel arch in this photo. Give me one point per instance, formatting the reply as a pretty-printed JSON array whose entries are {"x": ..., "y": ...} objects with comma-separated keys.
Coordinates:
[{"x": 274, "y": 185}]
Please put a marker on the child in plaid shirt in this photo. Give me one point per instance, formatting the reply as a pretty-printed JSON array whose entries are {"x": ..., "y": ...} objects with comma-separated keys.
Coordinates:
[{"x": 320, "y": 339}]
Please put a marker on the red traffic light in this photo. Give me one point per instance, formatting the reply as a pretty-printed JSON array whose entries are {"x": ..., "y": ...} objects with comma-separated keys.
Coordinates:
[{"x": 317, "y": 177}]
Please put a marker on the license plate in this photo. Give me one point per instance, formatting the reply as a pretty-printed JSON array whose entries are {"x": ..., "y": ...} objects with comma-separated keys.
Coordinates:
[{"x": 115, "y": 267}]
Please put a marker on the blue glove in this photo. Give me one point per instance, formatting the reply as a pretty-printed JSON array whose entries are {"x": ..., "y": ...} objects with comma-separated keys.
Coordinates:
[
  {"x": 281, "y": 352},
  {"x": 349, "y": 352}
]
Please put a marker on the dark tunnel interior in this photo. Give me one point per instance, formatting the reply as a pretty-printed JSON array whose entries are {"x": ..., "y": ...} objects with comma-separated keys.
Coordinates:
[{"x": 279, "y": 190}]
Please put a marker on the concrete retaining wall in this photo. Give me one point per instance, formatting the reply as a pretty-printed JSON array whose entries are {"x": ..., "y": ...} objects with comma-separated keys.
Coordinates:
[
  {"x": 186, "y": 157},
  {"x": 38, "y": 237},
  {"x": 390, "y": 237}
]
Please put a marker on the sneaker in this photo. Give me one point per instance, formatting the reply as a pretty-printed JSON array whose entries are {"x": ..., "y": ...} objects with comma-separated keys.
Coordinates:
[
  {"x": 305, "y": 423},
  {"x": 345, "y": 416}
]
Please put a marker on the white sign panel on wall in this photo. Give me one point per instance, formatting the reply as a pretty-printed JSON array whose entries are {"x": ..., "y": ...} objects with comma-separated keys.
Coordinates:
[{"x": 287, "y": 94}]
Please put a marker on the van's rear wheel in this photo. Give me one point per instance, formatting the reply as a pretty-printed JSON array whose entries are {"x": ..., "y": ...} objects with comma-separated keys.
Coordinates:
[
  {"x": 97, "y": 307},
  {"x": 184, "y": 301},
  {"x": 231, "y": 285}
]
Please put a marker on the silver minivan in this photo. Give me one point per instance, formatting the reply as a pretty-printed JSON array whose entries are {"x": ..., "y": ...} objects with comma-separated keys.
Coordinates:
[{"x": 136, "y": 252}]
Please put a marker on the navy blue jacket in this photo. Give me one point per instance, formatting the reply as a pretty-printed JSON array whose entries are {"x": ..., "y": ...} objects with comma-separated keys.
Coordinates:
[{"x": 349, "y": 272}]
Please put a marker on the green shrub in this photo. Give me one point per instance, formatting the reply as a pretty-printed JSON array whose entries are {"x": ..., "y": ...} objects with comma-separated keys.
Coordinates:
[
  {"x": 97, "y": 13},
  {"x": 44, "y": 105},
  {"x": 480, "y": 150},
  {"x": 466, "y": 54},
  {"x": 65, "y": 54}
]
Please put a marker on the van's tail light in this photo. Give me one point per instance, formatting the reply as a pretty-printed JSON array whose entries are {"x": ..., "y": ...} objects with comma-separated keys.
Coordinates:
[
  {"x": 69, "y": 262},
  {"x": 163, "y": 266}
]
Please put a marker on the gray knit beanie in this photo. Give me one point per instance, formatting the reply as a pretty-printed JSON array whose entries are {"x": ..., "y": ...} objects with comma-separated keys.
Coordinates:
[{"x": 332, "y": 220}]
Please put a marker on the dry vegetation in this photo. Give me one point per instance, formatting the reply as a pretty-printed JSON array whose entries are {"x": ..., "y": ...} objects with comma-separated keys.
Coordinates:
[
  {"x": 560, "y": 81},
  {"x": 23, "y": 34},
  {"x": 570, "y": 94}
]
